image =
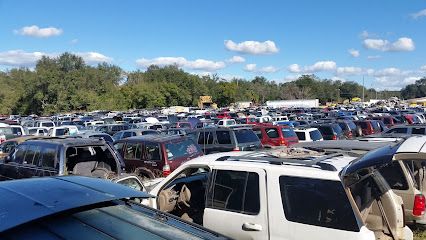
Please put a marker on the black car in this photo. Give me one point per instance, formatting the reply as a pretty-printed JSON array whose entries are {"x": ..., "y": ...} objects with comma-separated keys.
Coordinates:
[
  {"x": 330, "y": 131},
  {"x": 62, "y": 156},
  {"x": 85, "y": 208},
  {"x": 225, "y": 139}
]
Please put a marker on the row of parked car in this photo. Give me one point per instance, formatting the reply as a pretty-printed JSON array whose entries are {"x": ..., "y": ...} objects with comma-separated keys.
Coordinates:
[{"x": 368, "y": 188}]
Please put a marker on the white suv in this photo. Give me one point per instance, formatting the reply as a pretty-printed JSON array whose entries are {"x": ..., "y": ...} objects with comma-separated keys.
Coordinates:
[
  {"x": 259, "y": 196},
  {"x": 308, "y": 134}
]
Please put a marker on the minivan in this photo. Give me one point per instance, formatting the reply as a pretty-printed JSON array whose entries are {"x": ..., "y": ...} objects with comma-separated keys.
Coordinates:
[
  {"x": 272, "y": 135},
  {"x": 152, "y": 156},
  {"x": 225, "y": 139}
]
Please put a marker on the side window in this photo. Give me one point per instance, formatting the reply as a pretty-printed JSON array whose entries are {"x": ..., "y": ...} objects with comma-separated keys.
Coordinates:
[
  {"x": 258, "y": 132},
  {"x": 19, "y": 154},
  {"x": 397, "y": 130},
  {"x": 127, "y": 134},
  {"x": 205, "y": 138},
  {"x": 223, "y": 137},
  {"x": 132, "y": 151},
  {"x": 119, "y": 147},
  {"x": 301, "y": 136},
  {"x": 418, "y": 131},
  {"x": 29, "y": 155},
  {"x": 272, "y": 132},
  {"x": 48, "y": 157},
  {"x": 394, "y": 176},
  {"x": 332, "y": 208},
  {"x": 235, "y": 191},
  {"x": 152, "y": 151}
]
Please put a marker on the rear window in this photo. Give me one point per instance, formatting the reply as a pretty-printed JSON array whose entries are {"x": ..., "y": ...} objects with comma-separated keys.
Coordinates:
[
  {"x": 351, "y": 125},
  {"x": 315, "y": 135},
  {"x": 394, "y": 176},
  {"x": 337, "y": 129},
  {"x": 6, "y": 131},
  {"x": 343, "y": 126},
  {"x": 387, "y": 121},
  {"x": 326, "y": 130},
  {"x": 184, "y": 148},
  {"x": 363, "y": 125},
  {"x": 288, "y": 132},
  {"x": 301, "y": 136},
  {"x": 331, "y": 209},
  {"x": 223, "y": 137},
  {"x": 418, "y": 131},
  {"x": 47, "y": 124},
  {"x": 245, "y": 136},
  {"x": 397, "y": 130}
]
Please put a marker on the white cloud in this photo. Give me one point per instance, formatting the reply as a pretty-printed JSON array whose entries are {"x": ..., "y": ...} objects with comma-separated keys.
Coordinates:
[
  {"x": 353, "y": 52},
  {"x": 253, "y": 68},
  {"x": 230, "y": 77},
  {"x": 294, "y": 68},
  {"x": 349, "y": 71},
  {"x": 374, "y": 57},
  {"x": 402, "y": 44},
  {"x": 93, "y": 57},
  {"x": 18, "y": 58},
  {"x": 252, "y": 47},
  {"x": 316, "y": 67},
  {"x": 35, "y": 31},
  {"x": 364, "y": 34},
  {"x": 199, "y": 64},
  {"x": 74, "y": 41},
  {"x": 423, "y": 68},
  {"x": 336, "y": 78},
  {"x": 419, "y": 14},
  {"x": 290, "y": 78},
  {"x": 250, "y": 67},
  {"x": 21, "y": 58},
  {"x": 321, "y": 66},
  {"x": 386, "y": 72},
  {"x": 236, "y": 59}
]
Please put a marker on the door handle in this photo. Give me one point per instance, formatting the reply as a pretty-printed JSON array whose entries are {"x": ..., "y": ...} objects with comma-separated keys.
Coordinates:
[{"x": 251, "y": 227}]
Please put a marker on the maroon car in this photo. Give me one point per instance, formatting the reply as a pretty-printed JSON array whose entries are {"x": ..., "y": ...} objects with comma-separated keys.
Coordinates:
[
  {"x": 275, "y": 135},
  {"x": 156, "y": 155}
]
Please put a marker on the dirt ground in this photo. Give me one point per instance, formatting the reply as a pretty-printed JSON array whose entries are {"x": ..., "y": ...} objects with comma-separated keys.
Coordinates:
[{"x": 419, "y": 232}]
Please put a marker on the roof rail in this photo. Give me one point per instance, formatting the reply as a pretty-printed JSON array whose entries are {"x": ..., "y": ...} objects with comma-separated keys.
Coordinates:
[{"x": 271, "y": 159}]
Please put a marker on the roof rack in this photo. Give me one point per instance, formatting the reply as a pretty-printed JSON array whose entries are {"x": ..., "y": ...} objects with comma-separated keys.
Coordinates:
[{"x": 271, "y": 159}]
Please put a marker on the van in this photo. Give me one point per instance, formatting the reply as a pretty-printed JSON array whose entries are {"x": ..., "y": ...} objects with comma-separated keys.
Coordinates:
[
  {"x": 272, "y": 135},
  {"x": 225, "y": 139}
]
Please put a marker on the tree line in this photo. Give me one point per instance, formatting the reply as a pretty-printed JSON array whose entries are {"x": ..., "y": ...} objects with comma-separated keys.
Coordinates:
[{"x": 66, "y": 84}]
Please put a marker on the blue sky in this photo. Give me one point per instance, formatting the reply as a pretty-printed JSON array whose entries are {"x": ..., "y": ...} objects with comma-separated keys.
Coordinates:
[{"x": 383, "y": 40}]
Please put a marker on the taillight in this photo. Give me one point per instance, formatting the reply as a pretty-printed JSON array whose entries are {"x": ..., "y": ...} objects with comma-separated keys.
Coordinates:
[
  {"x": 350, "y": 135},
  {"x": 236, "y": 149},
  {"x": 166, "y": 170},
  {"x": 419, "y": 205},
  {"x": 282, "y": 142},
  {"x": 334, "y": 137}
]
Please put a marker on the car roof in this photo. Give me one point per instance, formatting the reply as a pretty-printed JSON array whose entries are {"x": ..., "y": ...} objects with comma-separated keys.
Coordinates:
[
  {"x": 69, "y": 141},
  {"x": 30, "y": 199},
  {"x": 339, "y": 162},
  {"x": 152, "y": 138}
]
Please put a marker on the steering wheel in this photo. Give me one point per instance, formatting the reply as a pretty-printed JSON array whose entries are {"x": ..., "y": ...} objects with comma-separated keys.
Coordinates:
[{"x": 184, "y": 196}]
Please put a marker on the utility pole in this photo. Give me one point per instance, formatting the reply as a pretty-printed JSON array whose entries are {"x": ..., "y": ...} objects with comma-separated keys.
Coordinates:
[{"x": 363, "y": 87}]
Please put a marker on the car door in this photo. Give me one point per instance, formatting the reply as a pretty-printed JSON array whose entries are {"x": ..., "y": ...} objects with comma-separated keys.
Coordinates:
[
  {"x": 236, "y": 203},
  {"x": 29, "y": 164},
  {"x": 10, "y": 168},
  {"x": 151, "y": 156}
]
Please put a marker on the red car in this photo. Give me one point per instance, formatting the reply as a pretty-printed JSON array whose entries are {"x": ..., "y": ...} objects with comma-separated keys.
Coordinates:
[
  {"x": 156, "y": 155},
  {"x": 275, "y": 135},
  {"x": 368, "y": 127}
]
